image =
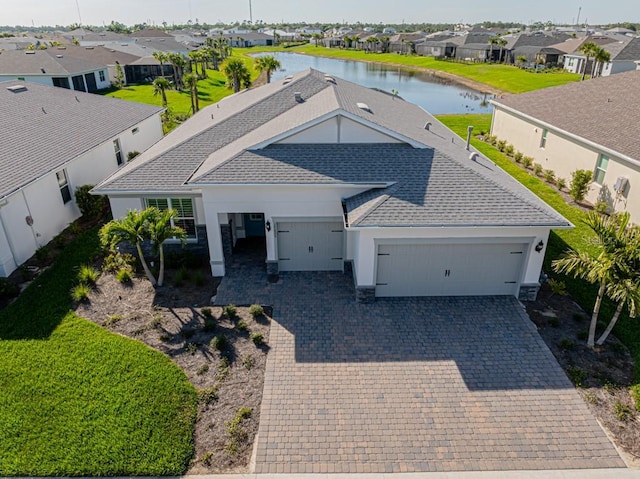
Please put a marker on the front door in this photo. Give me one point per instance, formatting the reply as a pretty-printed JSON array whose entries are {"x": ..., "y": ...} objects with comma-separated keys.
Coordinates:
[{"x": 254, "y": 225}]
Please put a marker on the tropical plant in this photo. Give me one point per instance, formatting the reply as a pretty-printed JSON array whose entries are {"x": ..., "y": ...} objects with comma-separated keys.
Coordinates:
[
  {"x": 191, "y": 82},
  {"x": 178, "y": 62},
  {"x": 237, "y": 74},
  {"x": 600, "y": 57},
  {"x": 162, "y": 58},
  {"x": 118, "y": 77},
  {"x": 316, "y": 38},
  {"x": 267, "y": 64},
  {"x": 160, "y": 87},
  {"x": 579, "y": 186},
  {"x": 161, "y": 228},
  {"x": 589, "y": 50},
  {"x": 616, "y": 268},
  {"x": 521, "y": 61},
  {"x": 91, "y": 206}
]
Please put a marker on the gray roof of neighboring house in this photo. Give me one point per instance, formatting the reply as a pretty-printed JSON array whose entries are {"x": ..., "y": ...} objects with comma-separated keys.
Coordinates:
[
  {"x": 98, "y": 54},
  {"x": 105, "y": 36},
  {"x": 605, "y": 110},
  {"x": 630, "y": 51},
  {"x": 43, "y": 127},
  {"x": 22, "y": 63},
  {"x": 151, "y": 33},
  {"x": 534, "y": 39},
  {"x": 221, "y": 145}
]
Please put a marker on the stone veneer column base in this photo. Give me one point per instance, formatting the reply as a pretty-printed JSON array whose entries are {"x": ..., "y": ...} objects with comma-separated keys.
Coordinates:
[
  {"x": 227, "y": 241},
  {"x": 528, "y": 292},
  {"x": 272, "y": 271},
  {"x": 365, "y": 294}
]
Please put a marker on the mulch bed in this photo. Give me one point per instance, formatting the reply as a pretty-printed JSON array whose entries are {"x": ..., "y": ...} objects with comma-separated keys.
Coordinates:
[
  {"x": 173, "y": 320},
  {"x": 602, "y": 375}
]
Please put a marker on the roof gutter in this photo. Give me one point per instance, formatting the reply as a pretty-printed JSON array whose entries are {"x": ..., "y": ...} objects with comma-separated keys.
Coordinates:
[
  {"x": 563, "y": 226},
  {"x": 573, "y": 136}
]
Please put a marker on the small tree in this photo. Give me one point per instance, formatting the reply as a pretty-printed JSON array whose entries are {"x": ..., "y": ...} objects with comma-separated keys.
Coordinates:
[
  {"x": 118, "y": 77},
  {"x": 579, "y": 186},
  {"x": 161, "y": 228},
  {"x": 237, "y": 74},
  {"x": 268, "y": 64},
  {"x": 91, "y": 206},
  {"x": 160, "y": 87}
]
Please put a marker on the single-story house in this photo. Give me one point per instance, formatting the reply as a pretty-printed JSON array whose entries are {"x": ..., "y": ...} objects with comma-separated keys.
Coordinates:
[
  {"x": 53, "y": 141},
  {"x": 54, "y": 68},
  {"x": 333, "y": 175},
  {"x": 250, "y": 39},
  {"x": 624, "y": 55},
  {"x": 590, "y": 125}
]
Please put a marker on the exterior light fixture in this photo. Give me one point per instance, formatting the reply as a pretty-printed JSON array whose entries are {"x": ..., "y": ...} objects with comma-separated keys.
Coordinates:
[
  {"x": 267, "y": 225},
  {"x": 539, "y": 246}
]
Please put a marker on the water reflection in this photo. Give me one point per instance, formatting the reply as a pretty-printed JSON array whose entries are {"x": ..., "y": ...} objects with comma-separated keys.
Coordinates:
[{"x": 435, "y": 94}]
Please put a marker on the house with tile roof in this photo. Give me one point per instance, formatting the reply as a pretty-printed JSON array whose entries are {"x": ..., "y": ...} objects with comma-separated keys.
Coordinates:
[
  {"x": 590, "y": 125},
  {"x": 330, "y": 175},
  {"x": 54, "y": 68},
  {"x": 53, "y": 141}
]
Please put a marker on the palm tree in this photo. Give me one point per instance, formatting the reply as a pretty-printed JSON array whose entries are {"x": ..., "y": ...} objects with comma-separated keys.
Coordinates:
[
  {"x": 160, "y": 87},
  {"x": 316, "y": 37},
  {"x": 237, "y": 74},
  {"x": 267, "y": 64},
  {"x": 588, "y": 49},
  {"x": 501, "y": 42},
  {"x": 626, "y": 292},
  {"x": 191, "y": 82},
  {"x": 492, "y": 41},
  {"x": 600, "y": 57},
  {"x": 385, "y": 44},
  {"x": 162, "y": 57},
  {"x": 619, "y": 248},
  {"x": 194, "y": 58},
  {"x": 178, "y": 61},
  {"x": 133, "y": 228},
  {"x": 161, "y": 228}
]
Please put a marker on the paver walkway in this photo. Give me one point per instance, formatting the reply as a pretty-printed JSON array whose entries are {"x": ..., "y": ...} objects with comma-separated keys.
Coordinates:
[{"x": 410, "y": 385}]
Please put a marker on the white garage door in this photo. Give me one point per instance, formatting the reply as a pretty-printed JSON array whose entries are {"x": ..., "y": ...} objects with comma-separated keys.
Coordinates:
[
  {"x": 310, "y": 246},
  {"x": 449, "y": 269}
]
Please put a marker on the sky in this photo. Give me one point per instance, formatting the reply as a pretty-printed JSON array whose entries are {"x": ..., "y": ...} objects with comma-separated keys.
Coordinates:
[{"x": 129, "y": 12}]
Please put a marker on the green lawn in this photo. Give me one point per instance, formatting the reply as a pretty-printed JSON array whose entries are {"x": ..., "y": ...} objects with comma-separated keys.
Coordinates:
[
  {"x": 79, "y": 400},
  {"x": 210, "y": 90},
  {"x": 580, "y": 238},
  {"x": 506, "y": 78}
]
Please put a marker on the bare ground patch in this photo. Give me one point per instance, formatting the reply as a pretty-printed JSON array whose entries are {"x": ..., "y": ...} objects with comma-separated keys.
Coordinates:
[{"x": 217, "y": 353}]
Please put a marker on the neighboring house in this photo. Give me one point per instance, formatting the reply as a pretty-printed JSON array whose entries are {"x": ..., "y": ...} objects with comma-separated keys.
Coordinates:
[
  {"x": 624, "y": 55},
  {"x": 102, "y": 38},
  {"x": 574, "y": 60},
  {"x": 336, "y": 176},
  {"x": 246, "y": 40},
  {"x": 51, "y": 67},
  {"x": 590, "y": 125},
  {"x": 53, "y": 141}
]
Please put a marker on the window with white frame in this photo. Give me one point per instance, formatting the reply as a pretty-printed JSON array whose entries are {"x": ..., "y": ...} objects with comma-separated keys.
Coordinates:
[
  {"x": 185, "y": 218},
  {"x": 63, "y": 184},
  {"x": 101, "y": 75},
  {"x": 543, "y": 140},
  {"x": 601, "y": 169},
  {"x": 118, "y": 150}
]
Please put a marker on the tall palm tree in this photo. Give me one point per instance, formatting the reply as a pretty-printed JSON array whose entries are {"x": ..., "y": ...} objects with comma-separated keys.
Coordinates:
[
  {"x": 162, "y": 57},
  {"x": 316, "y": 38},
  {"x": 237, "y": 74},
  {"x": 267, "y": 64},
  {"x": 178, "y": 61},
  {"x": 619, "y": 248},
  {"x": 600, "y": 57},
  {"x": 492, "y": 41},
  {"x": 588, "y": 49},
  {"x": 133, "y": 228},
  {"x": 160, "y": 229},
  {"x": 501, "y": 42},
  {"x": 195, "y": 57},
  {"x": 160, "y": 87},
  {"x": 191, "y": 82}
]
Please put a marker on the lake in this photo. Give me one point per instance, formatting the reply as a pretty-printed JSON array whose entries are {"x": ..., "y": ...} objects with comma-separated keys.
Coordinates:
[{"x": 436, "y": 95}]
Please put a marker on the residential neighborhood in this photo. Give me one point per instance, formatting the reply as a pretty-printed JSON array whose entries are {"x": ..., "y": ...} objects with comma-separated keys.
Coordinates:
[{"x": 375, "y": 245}]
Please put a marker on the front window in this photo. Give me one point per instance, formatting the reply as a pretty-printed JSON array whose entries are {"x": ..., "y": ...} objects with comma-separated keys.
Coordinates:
[
  {"x": 118, "y": 151},
  {"x": 63, "y": 184},
  {"x": 601, "y": 169},
  {"x": 101, "y": 75},
  {"x": 185, "y": 218},
  {"x": 543, "y": 140}
]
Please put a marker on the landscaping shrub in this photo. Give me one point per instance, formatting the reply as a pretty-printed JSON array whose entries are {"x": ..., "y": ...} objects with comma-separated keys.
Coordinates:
[
  {"x": 580, "y": 180},
  {"x": 242, "y": 325},
  {"x": 566, "y": 344},
  {"x": 257, "y": 338},
  {"x": 124, "y": 275},
  {"x": 80, "y": 292},
  {"x": 554, "y": 322},
  {"x": 203, "y": 369},
  {"x": 229, "y": 311},
  {"x": 8, "y": 289},
  {"x": 248, "y": 362},
  {"x": 561, "y": 183},
  {"x": 623, "y": 412},
  {"x": 501, "y": 145},
  {"x": 88, "y": 274},
  {"x": 115, "y": 261},
  {"x": 206, "y": 312},
  {"x": 492, "y": 140},
  {"x": 577, "y": 376},
  {"x": 518, "y": 157},
  {"x": 91, "y": 206},
  {"x": 42, "y": 253},
  {"x": 537, "y": 169},
  {"x": 219, "y": 342},
  {"x": 256, "y": 310},
  {"x": 601, "y": 207},
  {"x": 237, "y": 433},
  {"x": 132, "y": 154},
  {"x": 549, "y": 176},
  {"x": 191, "y": 348},
  {"x": 208, "y": 395},
  {"x": 558, "y": 287},
  {"x": 508, "y": 150},
  {"x": 198, "y": 278},
  {"x": 181, "y": 276},
  {"x": 527, "y": 161}
]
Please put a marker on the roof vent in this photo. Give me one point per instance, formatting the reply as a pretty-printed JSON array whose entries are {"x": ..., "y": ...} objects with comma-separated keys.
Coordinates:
[
  {"x": 473, "y": 156},
  {"x": 298, "y": 97},
  {"x": 58, "y": 56},
  {"x": 30, "y": 52},
  {"x": 43, "y": 70},
  {"x": 329, "y": 78},
  {"x": 427, "y": 126},
  {"x": 17, "y": 88},
  {"x": 364, "y": 106},
  {"x": 287, "y": 80}
]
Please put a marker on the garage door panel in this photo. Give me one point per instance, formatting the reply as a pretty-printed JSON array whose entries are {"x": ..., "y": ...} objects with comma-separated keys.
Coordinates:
[
  {"x": 310, "y": 246},
  {"x": 449, "y": 269}
]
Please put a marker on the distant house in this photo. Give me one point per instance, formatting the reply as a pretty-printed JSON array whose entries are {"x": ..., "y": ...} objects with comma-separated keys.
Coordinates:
[
  {"x": 102, "y": 38},
  {"x": 590, "y": 125},
  {"x": 246, "y": 40},
  {"x": 54, "y": 68},
  {"x": 574, "y": 60},
  {"x": 624, "y": 55},
  {"x": 53, "y": 141}
]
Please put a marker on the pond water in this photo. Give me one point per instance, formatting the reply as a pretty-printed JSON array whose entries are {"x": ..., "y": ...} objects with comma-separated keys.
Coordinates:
[{"x": 436, "y": 95}]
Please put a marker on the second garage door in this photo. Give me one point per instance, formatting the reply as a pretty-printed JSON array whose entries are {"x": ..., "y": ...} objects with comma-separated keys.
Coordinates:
[
  {"x": 310, "y": 246},
  {"x": 449, "y": 269}
]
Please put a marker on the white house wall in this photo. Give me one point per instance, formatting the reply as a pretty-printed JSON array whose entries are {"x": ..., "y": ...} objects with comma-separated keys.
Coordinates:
[
  {"x": 339, "y": 129},
  {"x": 7, "y": 262},
  {"x": 47, "y": 79},
  {"x": 618, "y": 67},
  {"x": 364, "y": 261},
  {"x": 276, "y": 202},
  {"x": 564, "y": 155}
]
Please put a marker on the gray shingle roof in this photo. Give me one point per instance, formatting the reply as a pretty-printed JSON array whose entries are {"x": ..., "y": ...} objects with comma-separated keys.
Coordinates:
[
  {"x": 429, "y": 177},
  {"x": 19, "y": 62},
  {"x": 608, "y": 109},
  {"x": 44, "y": 127},
  {"x": 423, "y": 187}
]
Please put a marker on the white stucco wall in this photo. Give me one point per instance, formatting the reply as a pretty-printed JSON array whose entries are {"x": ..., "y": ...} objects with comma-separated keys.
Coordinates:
[
  {"x": 364, "y": 260},
  {"x": 339, "y": 129},
  {"x": 47, "y": 79},
  {"x": 7, "y": 262},
  {"x": 618, "y": 67},
  {"x": 564, "y": 155}
]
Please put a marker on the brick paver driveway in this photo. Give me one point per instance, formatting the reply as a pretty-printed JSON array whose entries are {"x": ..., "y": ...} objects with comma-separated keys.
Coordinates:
[{"x": 411, "y": 385}]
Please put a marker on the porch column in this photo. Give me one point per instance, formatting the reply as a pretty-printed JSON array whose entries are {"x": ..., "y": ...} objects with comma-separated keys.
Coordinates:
[{"x": 214, "y": 238}]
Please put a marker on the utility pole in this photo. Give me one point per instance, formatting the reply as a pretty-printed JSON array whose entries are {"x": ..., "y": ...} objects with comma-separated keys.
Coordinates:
[
  {"x": 250, "y": 14},
  {"x": 578, "y": 19}
]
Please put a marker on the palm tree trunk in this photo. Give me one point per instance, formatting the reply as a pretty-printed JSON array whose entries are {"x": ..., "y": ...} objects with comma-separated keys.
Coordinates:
[
  {"x": 161, "y": 272},
  {"x": 584, "y": 70},
  {"x": 594, "y": 317},
  {"x": 593, "y": 68},
  {"x": 164, "y": 98},
  {"x": 195, "y": 95},
  {"x": 145, "y": 266},
  {"x": 613, "y": 322}
]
